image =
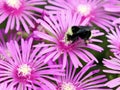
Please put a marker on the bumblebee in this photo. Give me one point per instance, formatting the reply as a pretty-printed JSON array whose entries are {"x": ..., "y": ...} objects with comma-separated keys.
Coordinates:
[{"x": 76, "y": 32}]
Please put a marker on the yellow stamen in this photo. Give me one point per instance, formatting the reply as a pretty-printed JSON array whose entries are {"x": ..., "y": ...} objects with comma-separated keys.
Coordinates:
[
  {"x": 68, "y": 86},
  {"x": 84, "y": 9},
  {"x": 14, "y": 3},
  {"x": 24, "y": 70}
]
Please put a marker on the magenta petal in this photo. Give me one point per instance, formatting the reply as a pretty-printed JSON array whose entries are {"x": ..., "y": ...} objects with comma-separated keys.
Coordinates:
[{"x": 113, "y": 83}]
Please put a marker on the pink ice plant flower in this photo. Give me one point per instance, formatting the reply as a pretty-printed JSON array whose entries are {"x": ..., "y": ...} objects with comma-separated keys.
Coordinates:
[
  {"x": 84, "y": 79},
  {"x": 3, "y": 40},
  {"x": 113, "y": 39},
  {"x": 57, "y": 27},
  {"x": 4, "y": 86},
  {"x": 113, "y": 6},
  {"x": 91, "y": 9},
  {"x": 20, "y": 13},
  {"x": 25, "y": 69},
  {"x": 113, "y": 65}
]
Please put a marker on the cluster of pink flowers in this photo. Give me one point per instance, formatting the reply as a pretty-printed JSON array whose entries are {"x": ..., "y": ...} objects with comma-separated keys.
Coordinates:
[{"x": 41, "y": 49}]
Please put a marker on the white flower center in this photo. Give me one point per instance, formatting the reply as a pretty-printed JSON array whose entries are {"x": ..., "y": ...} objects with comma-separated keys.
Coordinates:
[
  {"x": 24, "y": 70},
  {"x": 84, "y": 9},
  {"x": 14, "y": 3},
  {"x": 68, "y": 86}
]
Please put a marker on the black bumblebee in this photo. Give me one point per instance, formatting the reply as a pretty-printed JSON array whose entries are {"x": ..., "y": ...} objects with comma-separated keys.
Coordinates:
[{"x": 76, "y": 32}]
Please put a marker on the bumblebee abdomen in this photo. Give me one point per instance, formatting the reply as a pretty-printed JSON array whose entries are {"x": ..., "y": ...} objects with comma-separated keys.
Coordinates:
[{"x": 85, "y": 35}]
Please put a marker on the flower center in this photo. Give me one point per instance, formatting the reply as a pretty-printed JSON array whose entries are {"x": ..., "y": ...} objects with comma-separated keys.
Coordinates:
[
  {"x": 24, "y": 70},
  {"x": 14, "y": 3},
  {"x": 68, "y": 86},
  {"x": 84, "y": 9}
]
